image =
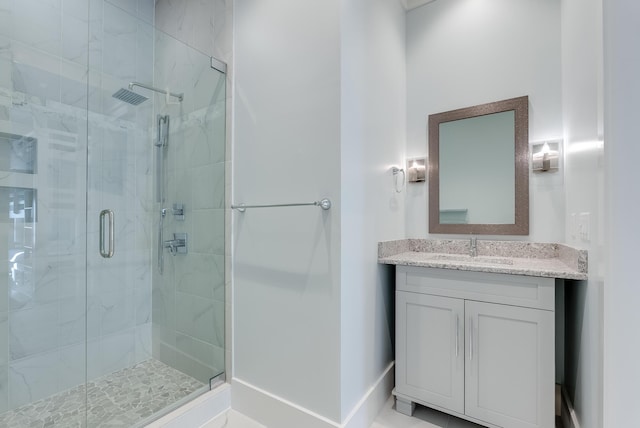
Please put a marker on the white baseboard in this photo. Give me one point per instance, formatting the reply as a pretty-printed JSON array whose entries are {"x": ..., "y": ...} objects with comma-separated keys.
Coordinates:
[
  {"x": 273, "y": 411},
  {"x": 568, "y": 414},
  {"x": 365, "y": 412}
]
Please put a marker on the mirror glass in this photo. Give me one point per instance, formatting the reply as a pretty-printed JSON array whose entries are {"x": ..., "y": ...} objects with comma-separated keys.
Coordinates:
[{"x": 478, "y": 169}]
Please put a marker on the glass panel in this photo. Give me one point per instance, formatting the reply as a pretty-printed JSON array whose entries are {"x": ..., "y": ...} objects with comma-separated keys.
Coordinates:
[
  {"x": 156, "y": 308},
  {"x": 188, "y": 305},
  {"x": 43, "y": 132}
]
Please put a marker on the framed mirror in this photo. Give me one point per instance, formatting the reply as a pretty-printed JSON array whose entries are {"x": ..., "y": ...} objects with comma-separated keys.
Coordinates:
[{"x": 479, "y": 169}]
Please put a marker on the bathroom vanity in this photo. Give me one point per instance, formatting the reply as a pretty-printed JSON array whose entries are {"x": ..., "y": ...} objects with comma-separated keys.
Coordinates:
[{"x": 475, "y": 335}]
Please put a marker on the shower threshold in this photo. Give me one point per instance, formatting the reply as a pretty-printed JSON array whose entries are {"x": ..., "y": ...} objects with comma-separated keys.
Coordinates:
[{"x": 120, "y": 399}]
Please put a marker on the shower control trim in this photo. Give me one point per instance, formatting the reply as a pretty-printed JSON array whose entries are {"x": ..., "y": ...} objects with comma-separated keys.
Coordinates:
[
  {"x": 177, "y": 245},
  {"x": 178, "y": 212}
]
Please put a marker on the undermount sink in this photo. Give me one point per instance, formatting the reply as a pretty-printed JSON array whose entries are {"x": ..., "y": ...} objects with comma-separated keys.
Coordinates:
[{"x": 469, "y": 259}]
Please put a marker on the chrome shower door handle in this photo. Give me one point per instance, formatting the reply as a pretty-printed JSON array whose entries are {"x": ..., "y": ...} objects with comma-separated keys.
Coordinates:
[{"x": 104, "y": 252}]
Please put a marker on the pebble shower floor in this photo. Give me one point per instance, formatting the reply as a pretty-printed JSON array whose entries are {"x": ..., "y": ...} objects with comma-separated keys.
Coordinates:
[{"x": 120, "y": 399}]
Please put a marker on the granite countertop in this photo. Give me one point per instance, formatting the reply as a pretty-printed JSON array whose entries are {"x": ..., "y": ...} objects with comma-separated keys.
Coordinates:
[{"x": 510, "y": 257}]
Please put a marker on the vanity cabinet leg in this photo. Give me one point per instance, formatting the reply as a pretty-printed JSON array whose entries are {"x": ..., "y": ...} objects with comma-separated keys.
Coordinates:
[{"x": 405, "y": 407}]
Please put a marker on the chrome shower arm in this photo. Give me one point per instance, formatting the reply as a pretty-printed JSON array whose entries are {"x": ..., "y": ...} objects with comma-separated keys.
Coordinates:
[{"x": 151, "y": 88}]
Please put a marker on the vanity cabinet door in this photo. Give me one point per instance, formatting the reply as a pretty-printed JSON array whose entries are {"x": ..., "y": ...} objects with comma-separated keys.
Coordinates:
[
  {"x": 509, "y": 365},
  {"x": 430, "y": 349}
]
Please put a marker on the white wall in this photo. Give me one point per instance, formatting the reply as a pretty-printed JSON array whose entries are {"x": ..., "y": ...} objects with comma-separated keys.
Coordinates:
[
  {"x": 584, "y": 182},
  {"x": 621, "y": 295},
  {"x": 466, "y": 52},
  {"x": 287, "y": 149},
  {"x": 372, "y": 139}
]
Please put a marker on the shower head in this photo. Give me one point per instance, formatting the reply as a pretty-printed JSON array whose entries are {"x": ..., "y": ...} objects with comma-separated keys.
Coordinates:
[{"x": 129, "y": 97}]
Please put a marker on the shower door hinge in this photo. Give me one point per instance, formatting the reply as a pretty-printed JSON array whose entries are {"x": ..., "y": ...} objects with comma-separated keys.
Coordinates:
[
  {"x": 217, "y": 380},
  {"x": 218, "y": 65}
]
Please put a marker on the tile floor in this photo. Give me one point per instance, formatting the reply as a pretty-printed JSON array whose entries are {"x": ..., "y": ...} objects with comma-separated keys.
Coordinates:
[
  {"x": 423, "y": 417},
  {"x": 117, "y": 400}
]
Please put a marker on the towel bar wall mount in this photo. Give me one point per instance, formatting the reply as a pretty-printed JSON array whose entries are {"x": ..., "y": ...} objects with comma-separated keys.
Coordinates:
[{"x": 325, "y": 204}]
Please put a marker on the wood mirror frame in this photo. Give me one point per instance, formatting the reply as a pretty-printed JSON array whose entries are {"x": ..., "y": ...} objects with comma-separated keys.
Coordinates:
[{"x": 520, "y": 106}]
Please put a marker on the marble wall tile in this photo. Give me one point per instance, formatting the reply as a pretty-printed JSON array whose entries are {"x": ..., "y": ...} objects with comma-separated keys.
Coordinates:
[
  {"x": 188, "y": 20},
  {"x": 183, "y": 180},
  {"x": 4, "y": 339},
  {"x": 146, "y": 10},
  {"x": 96, "y": 35},
  {"x": 73, "y": 84},
  {"x": 4, "y": 388},
  {"x": 6, "y": 17},
  {"x": 129, "y": 6},
  {"x": 219, "y": 322},
  {"x": 195, "y": 317},
  {"x": 195, "y": 358},
  {"x": 33, "y": 331},
  {"x": 218, "y": 277},
  {"x": 77, "y": 9},
  {"x": 200, "y": 148},
  {"x": 206, "y": 83},
  {"x": 75, "y": 44},
  {"x": 117, "y": 312},
  {"x": 119, "y": 48},
  {"x": 208, "y": 228},
  {"x": 164, "y": 303},
  {"x": 207, "y": 186},
  {"x": 196, "y": 275},
  {"x": 72, "y": 322},
  {"x": 38, "y": 23},
  {"x": 4, "y": 267},
  {"x": 6, "y": 84},
  {"x": 143, "y": 350},
  {"x": 71, "y": 367},
  {"x": 33, "y": 378},
  {"x": 94, "y": 364},
  {"x": 35, "y": 73},
  {"x": 143, "y": 295},
  {"x": 117, "y": 351},
  {"x": 144, "y": 52}
]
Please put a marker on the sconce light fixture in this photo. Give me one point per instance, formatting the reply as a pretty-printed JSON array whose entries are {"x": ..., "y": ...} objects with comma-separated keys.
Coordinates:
[
  {"x": 545, "y": 157},
  {"x": 396, "y": 171},
  {"x": 416, "y": 170}
]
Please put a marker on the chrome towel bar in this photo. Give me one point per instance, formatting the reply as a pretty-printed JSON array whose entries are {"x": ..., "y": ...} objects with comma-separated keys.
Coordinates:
[{"x": 325, "y": 204}]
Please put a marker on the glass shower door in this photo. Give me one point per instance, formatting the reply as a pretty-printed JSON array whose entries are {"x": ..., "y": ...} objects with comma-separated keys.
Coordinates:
[
  {"x": 43, "y": 133},
  {"x": 155, "y": 220},
  {"x": 89, "y": 323}
]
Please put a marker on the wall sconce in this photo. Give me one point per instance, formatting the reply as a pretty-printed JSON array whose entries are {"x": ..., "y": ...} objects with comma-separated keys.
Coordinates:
[
  {"x": 396, "y": 171},
  {"x": 545, "y": 157},
  {"x": 416, "y": 170}
]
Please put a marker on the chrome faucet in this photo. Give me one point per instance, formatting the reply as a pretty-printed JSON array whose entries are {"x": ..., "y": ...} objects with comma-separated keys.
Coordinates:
[{"x": 473, "y": 247}]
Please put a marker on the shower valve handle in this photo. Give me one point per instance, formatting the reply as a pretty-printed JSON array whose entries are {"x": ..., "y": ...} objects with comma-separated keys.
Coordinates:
[{"x": 177, "y": 245}]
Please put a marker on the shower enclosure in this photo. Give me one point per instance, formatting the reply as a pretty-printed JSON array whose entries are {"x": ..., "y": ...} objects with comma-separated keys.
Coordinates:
[{"x": 111, "y": 215}]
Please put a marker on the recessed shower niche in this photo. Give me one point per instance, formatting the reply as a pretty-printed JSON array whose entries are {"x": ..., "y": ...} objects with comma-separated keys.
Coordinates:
[{"x": 18, "y": 153}]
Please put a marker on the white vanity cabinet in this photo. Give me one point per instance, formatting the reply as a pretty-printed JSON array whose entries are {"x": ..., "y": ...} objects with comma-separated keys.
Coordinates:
[{"x": 476, "y": 345}]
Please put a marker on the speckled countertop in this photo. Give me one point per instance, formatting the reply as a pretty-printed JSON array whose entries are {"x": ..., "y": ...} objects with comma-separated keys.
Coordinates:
[{"x": 510, "y": 257}]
